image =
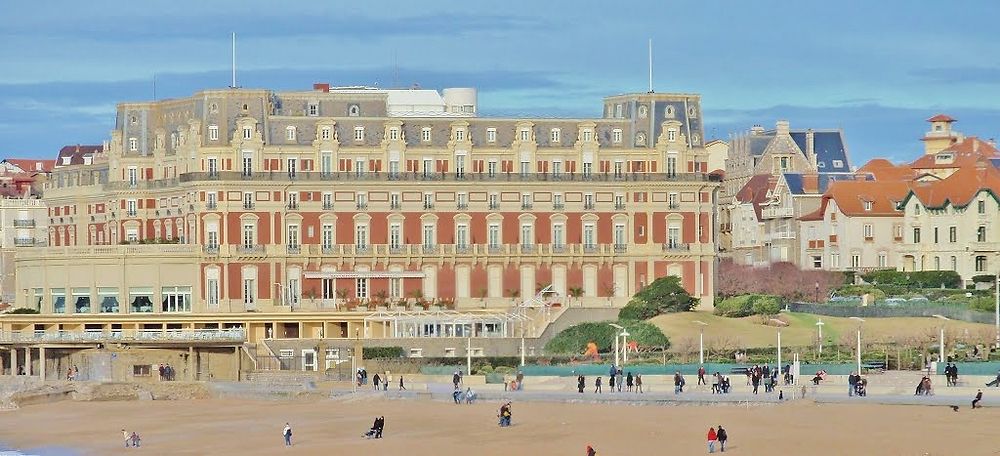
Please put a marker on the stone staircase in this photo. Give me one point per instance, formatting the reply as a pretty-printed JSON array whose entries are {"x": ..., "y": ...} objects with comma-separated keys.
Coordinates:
[{"x": 575, "y": 315}]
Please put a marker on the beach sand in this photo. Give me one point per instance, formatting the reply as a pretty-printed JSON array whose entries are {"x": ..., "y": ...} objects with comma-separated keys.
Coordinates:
[{"x": 423, "y": 427}]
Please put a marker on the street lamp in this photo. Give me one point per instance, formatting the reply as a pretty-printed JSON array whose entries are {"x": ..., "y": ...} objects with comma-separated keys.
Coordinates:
[
  {"x": 779, "y": 350},
  {"x": 701, "y": 341},
  {"x": 996, "y": 297},
  {"x": 861, "y": 321},
  {"x": 625, "y": 335},
  {"x": 817, "y": 292},
  {"x": 941, "y": 339},
  {"x": 618, "y": 335},
  {"x": 819, "y": 326}
]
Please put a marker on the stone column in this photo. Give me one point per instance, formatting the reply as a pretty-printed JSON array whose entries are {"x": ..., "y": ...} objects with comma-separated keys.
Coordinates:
[
  {"x": 41, "y": 363},
  {"x": 13, "y": 360},
  {"x": 190, "y": 364},
  {"x": 27, "y": 360}
]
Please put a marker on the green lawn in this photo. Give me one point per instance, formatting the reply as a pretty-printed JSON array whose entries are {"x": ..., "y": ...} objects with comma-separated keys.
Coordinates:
[{"x": 801, "y": 330}]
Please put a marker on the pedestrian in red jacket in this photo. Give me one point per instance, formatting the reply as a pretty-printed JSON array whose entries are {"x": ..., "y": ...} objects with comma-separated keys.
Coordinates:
[{"x": 712, "y": 438}]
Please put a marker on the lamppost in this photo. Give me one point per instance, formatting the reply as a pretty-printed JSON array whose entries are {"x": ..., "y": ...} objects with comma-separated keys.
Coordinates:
[
  {"x": 996, "y": 297},
  {"x": 618, "y": 335},
  {"x": 778, "y": 366},
  {"x": 861, "y": 322},
  {"x": 941, "y": 339},
  {"x": 701, "y": 341},
  {"x": 625, "y": 335},
  {"x": 819, "y": 327},
  {"x": 817, "y": 292}
]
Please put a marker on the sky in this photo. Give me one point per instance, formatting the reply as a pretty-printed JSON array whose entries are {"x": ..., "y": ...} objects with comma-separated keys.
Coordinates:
[{"x": 875, "y": 69}]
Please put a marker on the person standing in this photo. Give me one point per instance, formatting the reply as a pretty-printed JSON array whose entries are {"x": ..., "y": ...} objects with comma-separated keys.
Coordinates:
[
  {"x": 852, "y": 383},
  {"x": 127, "y": 437},
  {"x": 619, "y": 380},
  {"x": 954, "y": 374},
  {"x": 677, "y": 382},
  {"x": 287, "y": 434},
  {"x": 979, "y": 397},
  {"x": 520, "y": 380},
  {"x": 581, "y": 383},
  {"x": 723, "y": 436},
  {"x": 628, "y": 382},
  {"x": 701, "y": 376},
  {"x": 611, "y": 382},
  {"x": 638, "y": 383},
  {"x": 456, "y": 379},
  {"x": 597, "y": 385},
  {"x": 376, "y": 381},
  {"x": 712, "y": 438}
]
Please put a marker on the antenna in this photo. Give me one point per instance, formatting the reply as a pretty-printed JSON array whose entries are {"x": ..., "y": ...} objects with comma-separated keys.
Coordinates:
[
  {"x": 650, "y": 65},
  {"x": 233, "y": 86},
  {"x": 154, "y": 86}
]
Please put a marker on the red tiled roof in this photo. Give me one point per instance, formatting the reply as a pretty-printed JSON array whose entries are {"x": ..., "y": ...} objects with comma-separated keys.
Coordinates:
[
  {"x": 30, "y": 165},
  {"x": 941, "y": 118},
  {"x": 960, "y": 188},
  {"x": 852, "y": 195},
  {"x": 76, "y": 154},
  {"x": 882, "y": 169},
  {"x": 755, "y": 191},
  {"x": 967, "y": 152}
]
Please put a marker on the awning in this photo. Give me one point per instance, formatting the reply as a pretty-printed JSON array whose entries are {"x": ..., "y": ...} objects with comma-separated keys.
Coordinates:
[{"x": 363, "y": 274}]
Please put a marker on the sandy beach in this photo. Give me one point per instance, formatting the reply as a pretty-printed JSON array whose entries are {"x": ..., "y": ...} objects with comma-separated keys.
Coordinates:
[{"x": 423, "y": 427}]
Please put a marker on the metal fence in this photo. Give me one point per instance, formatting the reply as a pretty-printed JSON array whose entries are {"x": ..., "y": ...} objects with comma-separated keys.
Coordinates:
[
  {"x": 951, "y": 311},
  {"x": 234, "y": 335}
]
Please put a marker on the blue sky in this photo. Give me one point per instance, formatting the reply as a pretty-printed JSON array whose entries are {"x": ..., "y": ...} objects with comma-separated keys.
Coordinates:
[{"x": 876, "y": 69}]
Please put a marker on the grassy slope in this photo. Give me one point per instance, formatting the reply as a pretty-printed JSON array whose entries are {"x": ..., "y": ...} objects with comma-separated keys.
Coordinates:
[{"x": 801, "y": 331}]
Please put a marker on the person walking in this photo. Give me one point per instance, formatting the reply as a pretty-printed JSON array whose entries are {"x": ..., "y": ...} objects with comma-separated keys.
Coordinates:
[
  {"x": 287, "y": 434},
  {"x": 581, "y": 383},
  {"x": 401, "y": 387},
  {"x": 723, "y": 436},
  {"x": 591, "y": 451},
  {"x": 376, "y": 381},
  {"x": 628, "y": 382},
  {"x": 954, "y": 375},
  {"x": 712, "y": 438},
  {"x": 638, "y": 383},
  {"x": 597, "y": 385},
  {"x": 677, "y": 382},
  {"x": 701, "y": 376},
  {"x": 611, "y": 382},
  {"x": 852, "y": 384},
  {"x": 979, "y": 397},
  {"x": 128, "y": 438}
]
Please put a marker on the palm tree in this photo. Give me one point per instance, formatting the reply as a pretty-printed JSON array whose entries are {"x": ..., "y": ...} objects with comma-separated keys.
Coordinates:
[{"x": 576, "y": 293}]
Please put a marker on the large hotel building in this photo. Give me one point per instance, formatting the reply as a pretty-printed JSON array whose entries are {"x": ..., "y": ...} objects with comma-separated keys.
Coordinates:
[{"x": 279, "y": 212}]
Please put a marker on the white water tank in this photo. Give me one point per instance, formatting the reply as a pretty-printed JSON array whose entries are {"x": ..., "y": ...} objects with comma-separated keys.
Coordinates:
[{"x": 460, "y": 100}]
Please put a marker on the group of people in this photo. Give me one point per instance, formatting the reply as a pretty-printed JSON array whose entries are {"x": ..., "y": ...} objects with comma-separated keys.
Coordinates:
[
  {"x": 720, "y": 436},
  {"x": 378, "y": 381},
  {"x": 468, "y": 395},
  {"x": 376, "y": 430},
  {"x": 757, "y": 375},
  {"x": 73, "y": 373},
  {"x": 616, "y": 379},
  {"x": 166, "y": 372},
  {"x": 924, "y": 387},
  {"x": 517, "y": 384},
  {"x": 721, "y": 384},
  {"x": 504, "y": 414},
  {"x": 951, "y": 374},
  {"x": 131, "y": 439},
  {"x": 857, "y": 385}
]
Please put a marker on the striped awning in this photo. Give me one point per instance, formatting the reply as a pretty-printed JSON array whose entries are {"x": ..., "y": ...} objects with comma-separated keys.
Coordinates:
[{"x": 363, "y": 274}]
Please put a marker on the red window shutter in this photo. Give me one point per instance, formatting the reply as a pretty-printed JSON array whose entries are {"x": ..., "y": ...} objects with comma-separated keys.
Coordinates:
[{"x": 652, "y": 167}]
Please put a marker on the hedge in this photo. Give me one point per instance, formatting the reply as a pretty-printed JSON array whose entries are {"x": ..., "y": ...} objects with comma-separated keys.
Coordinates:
[
  {"x": 860, "y": 290},
  {"x": 746, "y": 305},
  {"x": 382, "y": 352},
  {"x": 575, "y": 338},
  {"x": 929, "y": 279}
]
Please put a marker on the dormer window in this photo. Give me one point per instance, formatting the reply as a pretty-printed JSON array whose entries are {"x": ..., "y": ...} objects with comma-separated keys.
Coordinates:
[
  {"x": 213, "y": 132},
  {"x": 616, "y": 135},
  {"x": 525, "y": 134},
  {"x": 669, "y": 112},
  {"x": 313, "y": 109},
  {"x": 640, "y": 139},
  {"x": 247, "y": 132},
  {"x": 555, "y": 135},
  {"x": 459, "y": 134},
  {"x": 671, "y": 135},
  {"x": 359, "y": 133},
  {"x": 65, "y": 160},
  {"x": 324, "y": 133},
  {"x": 133, "y": 144},
  {"x": 491, "y": 135},
  {"x": 838, "y": 163},
  {"x": 425, "y": 134},
  {"x": 354, "y": 110},
  {"x": 588, "y": 135},
  {"x": 944, "y": 158},
  {"x": 821, "y": 164},
  {"x": 394, "y": 133},
  {"x": 868, "y": 205},
  {"x": 290, "y": 133}
]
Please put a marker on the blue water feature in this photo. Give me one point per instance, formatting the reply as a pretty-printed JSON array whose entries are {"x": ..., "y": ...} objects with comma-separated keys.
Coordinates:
[{"x": 645, "y": 369}]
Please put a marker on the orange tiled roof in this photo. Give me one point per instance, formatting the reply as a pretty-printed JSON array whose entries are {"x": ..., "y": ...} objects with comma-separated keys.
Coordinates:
[
  {"x": 755, "y": 191},
  {"x": 967, "y": 152},
  {"x": 30, "y": 165},
  {"x": 960, "y": 188},
  {"x": 882, "y": 170},
  {"x": 941, "y": 118},
  {"x": 852, "y": 195}
]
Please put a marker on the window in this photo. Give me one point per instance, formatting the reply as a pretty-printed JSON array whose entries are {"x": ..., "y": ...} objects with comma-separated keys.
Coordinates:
[
  {"x": 362, "y": 198},
  {"x": 359, "y": 133},
  {"x": 671, "y": 165},
  {"x": 952, "y": 234},
  {"x": 212, "y": 238},
  {"x": 526, "y": 201},
  {"x": 247, "y": 132},
  {"x": 588, "y": 135},
  {"x": 141, "y": 370},
  {"x": 212, "y": 292},
  {"x": 141, "y": 299},
  {"x": 248, "y": 292},
  {"x": 428, "y": 167},
  {"x": 460, "y": 166},
  {"x": 491, "y": 135},
  {"x": 618, "y": 110},
  {"x": 619, "y": 236},
  {"x": 868, "y": 205},
  {"x": 428, "y": 200},
  {"x": 247, "y": 164},
  {"x": 213, "y": 132},
  {"x": 248, "y": 200},
  {"x": 131, "y": 208},
  {"x": 616, "y": 135},
  {"x": 361, "y": 285},
  {"x": 817, "y": 262},
  {"x": 589, "y": 239},
  {"x": 619, "y": 166},
  {"x": 937, "y": 263},
  {"x": 525, "y": 134},
  {"x": 394, "y": 133},
  {"x": 327, "y": 201},
  {"x": 673, "y": 236},
  {"x": 459, "y": 134},
  {"x": 394, "y": 201},
  {"x": 493, "y": 201},
  {"x": 133, "y": 144},
  {"x": 981, "y": 263},
  {"x": 834, "y": 260},
  {"x": 491, "y": 168},
  {"x": 672, "y": 201},
  {"x": 395, "y": 236},
  {"x": 493, "y": 236},
  {"x": 558, "y": 235},
  {"x": 133, "y": 176},
  {"x": 981, "y": 206},
  {"x": 324, "y": 133},
  {"x": 213, "y": 166},
  {"x": 313, "y": 109},
  {"x": 290, "y": 133},
  {"x": 361, "y": 237},
  {"x": 557, "y": 168},
  {"x": 916, "y": 209},
  {"x": 292, "y": 164},
  {"x": 883, "y": 260},
  {"x": 527, "y": 239},
  {"x": 916, "y": 235},
  {"x": 328, "y": 289},
  {"x": 393, "y": 169},
  {"x": 462, "y": 200},
  {"x": 588, "y": 201},
  {"x": 395, "y": 287},
  {"x": 326, "y": 236},
  {"x": 354, "y": 111},
  {"x": 428, "y": 235},
  {"x": 671, "y": 135},
  {"x": 292, "y": 236},
  {"x": 248, "y": 234},
  {"x": 855, "y": 261},
  {"x": 619, "y": 202},
  {"x": 981, "y": 234},
  {"x": 555, "y": 136},
  {"x": 81, "y": 300},
  {"x": 838, "y": 163},
  {"x": 783, "y": 164},
  {"x": 588, "y": 169},
  {"x": 868, "y": 231},
  {"x": 557, "y": 201},
  {"x": 359, "y": 167},
  {"x": 525, "y": 168},
  {"x": 176, "y": 299},
  {"x": 425, "y": 134},
  {"x": 462, "y": 236}
]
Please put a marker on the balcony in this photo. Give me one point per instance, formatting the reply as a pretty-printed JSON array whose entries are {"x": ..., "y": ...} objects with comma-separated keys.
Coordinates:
[
  {"x": 211, "y": 249},
  {"x": 527, "y": 248},
  {"x": 24, "y": 223},
  {"x": 676, "y": 247},
  {"x": 462, "y": 249},
  {"x": 494, "y": 249},
  {"x": 462, "y": 206},
  {"x": 428, "y": 205},
  {"x": 430, "y": 249},
  {"x": 395, "y": 206},
  {"x": 588, "y": 206},
  {"x": 621, "y": 248},
  {"x": 558, "y": 248},
  {"x": 619, "y": 206},
  {"x": 211, "y": 206},
  {"x": 673, "y": 206},
  {"x": 493, "y": 206},
  {"x": 293, "y": 249},
  {"x": 235, "y": 335},
  {"x": 361, "y": 206},
  {"x": 250, "y": 250},
  {"x": 525, "y": 206},
  {"x": 24, "y": 242},
  {"x": 279, "y": 176},
  {"x": 363, "y": 249},
  {"x": 781, "y": 235},
  {"x": 589, "y": 248},
  {"x": 247, "y": 206},
  {"x": 327, "y": 206},
  {"x": 292, "y": 206},
  {"x": 777, "y": 212},
  {"x": 558, "y": 206},
  {"x": 396, "y": 249},
  {"x": 329, "y": 250}
]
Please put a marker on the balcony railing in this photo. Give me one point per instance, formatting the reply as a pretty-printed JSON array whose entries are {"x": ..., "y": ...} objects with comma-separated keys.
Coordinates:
[
  {"x": 251, "y": 250},
  {"x": 292, "y": 206},
  {"x": 361, "y": 206},
  {"x": 211, "y": 249},
  {"x": 234, "y": 335},
  {"x": 462, "y": 206},
  {"x": 620, "y": 248},
  {"x": 525, "y": 206},
  {"x": 211, "y": 206},
  {"x": 420, "y": 176},
  {"x": 329, "y": 249},
  {"x": 558, "y": 206},
  {"x": 673, "y": 206},
  {"x": 430, "y": 249},
  {"x": 528, "y": 248},
  {"x": 327, "y": 206},
  {"x": 24, "y": 223},
  {"x": 676, "y": 247},
  {"x": 24, "y": 242},
  {"x": 588, "y": 206},
  {"x": 777, "y": 212},
  {"x": 620, "y": 206},
  {"x": 293, "y": 249}
]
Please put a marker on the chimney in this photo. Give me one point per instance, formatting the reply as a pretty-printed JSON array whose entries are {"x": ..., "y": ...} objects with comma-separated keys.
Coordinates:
[
  {"x": 781, "y": 127},
  {"x": 975, "y": 145},
  {"x": 810, "y": 183},
  {"x": 756, "y": 130},
  {"x": 321, "y": 87},
  {"x": 811, "y": 147}
]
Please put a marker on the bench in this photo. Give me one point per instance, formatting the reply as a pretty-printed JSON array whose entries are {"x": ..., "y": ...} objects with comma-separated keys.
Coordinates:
[
  {"x": 739, "y": 370},
  {"x": 874, "y": 365}
]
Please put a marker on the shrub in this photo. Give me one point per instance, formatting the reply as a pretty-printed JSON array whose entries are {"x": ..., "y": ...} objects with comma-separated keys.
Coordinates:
[
  {"x": 766, "y": 305},
  {"x": 929, "y": 279},
  {"x": 575, "y": 338},
  {"x": 982, "y": 305},
  {"x": 984, "y": 278},
  {"x": 747, "y": 305},
  {"x": 382, "y": 352},
  {"x": 861, "y": 290},
  {"x": 23, "y": 310},
  {"x": 664, "y": 295}
]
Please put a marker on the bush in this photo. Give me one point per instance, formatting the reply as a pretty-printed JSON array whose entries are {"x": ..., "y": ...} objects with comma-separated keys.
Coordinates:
[
  {"x": 382, "y": 352},
  {"x": 861, "y": 290},
  {"x": 664, "y": 295},
  {"x": 23, "y": 310},
  {"x": 929, "y": 279},
  {"x": 984, "y": 278},
  {"x": 575, "y": 338},
  {"x": 747, "y": 305},
  {"x": 982, "y": 304}
]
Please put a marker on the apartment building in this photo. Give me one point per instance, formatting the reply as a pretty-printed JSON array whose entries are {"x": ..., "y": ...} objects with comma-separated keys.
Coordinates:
[{"x": 237, "y": 205}]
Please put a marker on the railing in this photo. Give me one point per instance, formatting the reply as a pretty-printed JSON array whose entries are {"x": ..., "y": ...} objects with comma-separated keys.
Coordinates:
[
  {"x": 293, "y": 249},
  {"x": 676, "y": 247},
  {"x": 24, "y": 242},
  {"x": 24, "y": 223},
  {"x": 429, "y": 249},
  {"x": 673, "y": 206},
  {"x": 588, "y": 207},
  {"x": 558, "y": 206},
  {"x": 620, "y": 248},
  {"x": 179, "y": 335},
  {"x": 777, "y": 212},
  {"x": 619, "y": 207},
  {"x": 143, "y": 184},
  {"x": 327, "y": 206},
  {"x": 119, "y": 249},
  {"x": 251, "y": 249},
  {"x": 419, "y": 176},
  {"x": 211, "y": 250},
  {"x": 525, "y": 206},
  {"x": 361, "y": 206},
  {"x": 292, "y": 206}
]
